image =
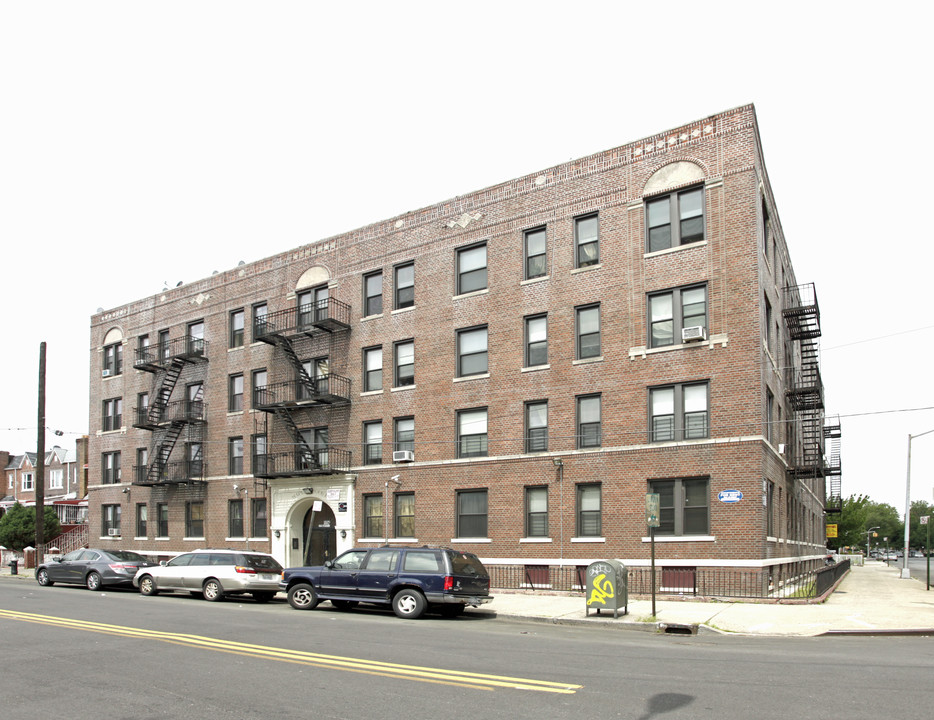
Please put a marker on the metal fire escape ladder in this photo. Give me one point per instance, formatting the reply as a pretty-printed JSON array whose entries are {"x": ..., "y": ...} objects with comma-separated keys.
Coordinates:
[
  {"x": 163, "y": 391},
  {"x": 832, "y": 465}
]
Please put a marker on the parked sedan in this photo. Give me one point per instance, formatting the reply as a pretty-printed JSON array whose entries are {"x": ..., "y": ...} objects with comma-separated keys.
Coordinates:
[
  {"x": 92, "y": 567},
  {"x": 214, "y": 574}
]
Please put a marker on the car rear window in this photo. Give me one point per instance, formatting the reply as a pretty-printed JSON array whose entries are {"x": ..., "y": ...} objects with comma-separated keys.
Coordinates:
[
  {"x": 127, "y": 555},
  {"x": 265, "y": 563},
  {"x": 466, "y": 564},
  {"x": 418, "y": 561}
]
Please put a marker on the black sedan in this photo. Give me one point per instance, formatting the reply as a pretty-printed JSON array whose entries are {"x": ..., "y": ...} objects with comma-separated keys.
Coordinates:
[{"x": 93, "y": 568}]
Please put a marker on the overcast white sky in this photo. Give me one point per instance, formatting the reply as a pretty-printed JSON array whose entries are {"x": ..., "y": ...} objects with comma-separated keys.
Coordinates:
[{"x": 148, "y": 143}]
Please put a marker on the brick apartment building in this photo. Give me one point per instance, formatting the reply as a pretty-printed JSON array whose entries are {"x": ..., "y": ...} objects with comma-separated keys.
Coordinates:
[{"x": 508, "y": 373}]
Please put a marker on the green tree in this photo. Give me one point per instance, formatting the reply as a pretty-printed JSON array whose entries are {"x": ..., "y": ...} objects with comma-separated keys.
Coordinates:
[
  {"x": 859, "y": 513},
  {"x": 917, "y": 533},
  {"x": 18, "y": 527}
]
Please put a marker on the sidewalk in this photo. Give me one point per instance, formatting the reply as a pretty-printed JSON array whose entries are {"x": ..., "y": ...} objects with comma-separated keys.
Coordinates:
[{"x": 872, "y": 599}]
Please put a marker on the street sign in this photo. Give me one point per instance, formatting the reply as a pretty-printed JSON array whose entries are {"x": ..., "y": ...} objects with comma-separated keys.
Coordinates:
[
  {"x": 924, "y": 519},
  {"x": 652, "y": 509},
  {"x": 729, "y": 496},
  {"x": 831, "y": 531}
]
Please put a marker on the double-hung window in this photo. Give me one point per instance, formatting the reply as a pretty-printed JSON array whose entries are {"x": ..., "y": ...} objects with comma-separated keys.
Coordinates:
[
  {"x": 258, "y": 454},
  {"x": 196, "y": 338},
  {"x": 237, "y": 318},
  {"x": 260, "y": 394},
  {"x": 372, "y": 369},
  {"x": 235, "y": 456},
  {"x": 588, "y": 332},
  {"x": 110, "y": 520},
  {"x": 260, "y": 325},
  {"x": 536, "y": 426},
  {"x": 113, "y": 359},
  {"x": 112, "y": 415},
  {"x": 535, "y": 253},
  {"x": 471, "y": 514},
  {"x": 671, "y": 311},
  {"x": 142, "y": 464},
  {"x": 472, "y": 351},
  {"x": 589, "y": 510},
  {"x": 536, "y": 340},
  {"x": 194, "y": 519},
  {"x": 472, "y": 433},
  {"x": 589, "y": 429},
  {"x": 162, "y": 520},
  {"x": 404, "y": 434},
  {"x": 675, "y": 219},
  {"x": 258, "y": 523},
  {"x": 471, "y": 269},
  {"x": 142, "y": 514},
  {"x": 110, "y": 468},
  {"x": 679, "y": 412},
  {"x": 684, "y": 506},
  {"x": 404, "y": 353},
  {"x": 404, "y": 286},
  {"x": 373, "y": 516},
  {"x": 372, "y": 294},
  {"x": 536, "y": 512},
  {"x": 235, "y": 396},
  {"x": 586, "y": 241},
  {"x": 404, "y": 515},
  {"x": 235, "y": 518},
  {"x": 373, "y": 442},
  {"x": 28, "y": 484}
]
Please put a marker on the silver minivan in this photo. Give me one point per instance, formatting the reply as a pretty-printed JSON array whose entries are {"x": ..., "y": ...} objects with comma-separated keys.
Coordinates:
[{"x": 214, "y": 574}]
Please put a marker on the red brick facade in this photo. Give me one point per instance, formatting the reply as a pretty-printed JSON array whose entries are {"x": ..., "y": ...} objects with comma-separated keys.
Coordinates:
[{"x": 739, "y": 261}]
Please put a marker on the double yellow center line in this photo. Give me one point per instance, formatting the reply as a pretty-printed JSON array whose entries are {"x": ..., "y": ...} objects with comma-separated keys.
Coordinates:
[{"x": 476, "y": 681}]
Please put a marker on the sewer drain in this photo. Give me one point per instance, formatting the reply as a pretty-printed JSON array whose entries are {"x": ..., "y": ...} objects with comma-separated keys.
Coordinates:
[{"x": 677, "y": 629}]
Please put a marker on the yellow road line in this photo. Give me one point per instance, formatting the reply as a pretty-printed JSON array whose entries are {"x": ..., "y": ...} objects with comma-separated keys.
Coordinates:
[{"x": 478, "y": 681}]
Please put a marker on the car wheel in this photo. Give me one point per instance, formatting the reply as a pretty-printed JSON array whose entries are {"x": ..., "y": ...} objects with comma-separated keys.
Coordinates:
[
  {"x": 147, "y": 586},
  {"x": 409, "y": 603},
  {"x": 303, "y": 597},
  {"x": 93, "y": 581},
  {"x": 42, "y": 577},
  {"x": 212, "y": 590},
  {"x": 344, "y": 605},
  {"x": 453, "y": 610},
  {"x": 264, "y": 596}
]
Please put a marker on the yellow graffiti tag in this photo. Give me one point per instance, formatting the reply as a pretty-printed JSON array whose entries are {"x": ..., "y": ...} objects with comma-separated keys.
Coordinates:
[{"x": 602, "y": 589}]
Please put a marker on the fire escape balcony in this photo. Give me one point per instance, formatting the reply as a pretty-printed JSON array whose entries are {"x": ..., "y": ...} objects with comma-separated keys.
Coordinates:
[
  {"x": 178, "y": 472},
  {"x": 328, "y": 389},
  {"x": 155, "y": 358},
  {"x": 152, "y": 417},
  {"x": 801, "y": 312},
  {"x": 304, "y": 462},
  {"x": 328, "y": 315},
  {"x": 806, "y": 389}
]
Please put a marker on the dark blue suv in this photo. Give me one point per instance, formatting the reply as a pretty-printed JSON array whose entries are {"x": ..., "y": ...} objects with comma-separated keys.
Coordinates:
[{"x": 410, "y": 579}]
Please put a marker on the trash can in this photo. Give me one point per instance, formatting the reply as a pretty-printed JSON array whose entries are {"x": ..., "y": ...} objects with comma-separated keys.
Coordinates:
[
  {"x": 607, "y": 587},
  {"x": 14, "y": 567}
]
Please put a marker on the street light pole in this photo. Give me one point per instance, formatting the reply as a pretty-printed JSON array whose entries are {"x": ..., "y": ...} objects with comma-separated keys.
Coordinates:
[
  {"x": 906, "y": 573},
  {"x": 869, "y": 533}
]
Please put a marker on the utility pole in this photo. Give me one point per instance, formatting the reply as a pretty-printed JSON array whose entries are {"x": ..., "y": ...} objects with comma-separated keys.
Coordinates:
[{"x": 40, "y": 462}]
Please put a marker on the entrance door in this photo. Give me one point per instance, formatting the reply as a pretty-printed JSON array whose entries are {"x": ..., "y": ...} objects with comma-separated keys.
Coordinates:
[{"x": 319, "y": 536}]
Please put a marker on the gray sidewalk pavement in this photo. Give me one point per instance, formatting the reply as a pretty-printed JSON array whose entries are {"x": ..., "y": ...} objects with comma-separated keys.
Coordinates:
[{"x": 872, "y": 599}]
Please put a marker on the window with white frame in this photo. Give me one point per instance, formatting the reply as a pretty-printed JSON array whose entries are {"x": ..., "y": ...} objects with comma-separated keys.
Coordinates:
[
  {"x": 28, "y": 483},
  {"x": 56, "y": 479}
]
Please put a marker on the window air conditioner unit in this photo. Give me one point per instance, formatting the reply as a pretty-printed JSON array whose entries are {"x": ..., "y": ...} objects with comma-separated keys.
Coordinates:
[
  {"x": 403, "y": 456},
  {"x": 113, "y": 532},
  {"x": 694, "y": 333},
  {"x": 105, "y": 373}
]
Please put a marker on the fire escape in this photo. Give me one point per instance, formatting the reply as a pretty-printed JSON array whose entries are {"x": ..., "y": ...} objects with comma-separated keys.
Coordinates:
[
  {"x": 170, "y": 420},
  {"x": 294, "y": 400},
  {"x": 805, "y": 391}
]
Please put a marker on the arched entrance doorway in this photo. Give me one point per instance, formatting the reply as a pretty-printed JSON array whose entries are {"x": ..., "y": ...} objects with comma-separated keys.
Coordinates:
[{"x": 320, "y": 536}]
